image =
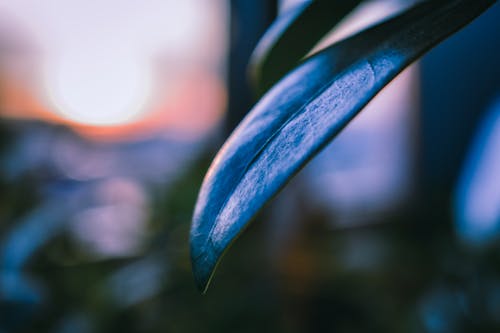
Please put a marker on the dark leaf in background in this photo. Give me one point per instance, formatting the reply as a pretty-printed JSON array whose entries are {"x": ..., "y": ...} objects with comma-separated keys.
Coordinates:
[
  {"x": 302, "y": 114},
  {"x": 291, "y": 36}
]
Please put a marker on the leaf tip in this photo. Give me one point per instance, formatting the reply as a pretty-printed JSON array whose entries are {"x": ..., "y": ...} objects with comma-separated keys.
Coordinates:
[{"x": 203, "y": 261}]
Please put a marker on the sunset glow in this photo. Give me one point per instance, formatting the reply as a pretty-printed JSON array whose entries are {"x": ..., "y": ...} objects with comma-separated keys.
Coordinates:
[
  {"x": 98, "y": 90},
  {"x": 112, "y": 65}
]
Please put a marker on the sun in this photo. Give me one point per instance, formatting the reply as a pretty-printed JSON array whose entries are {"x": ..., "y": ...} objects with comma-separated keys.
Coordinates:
[{"x": 98, "y": 89}]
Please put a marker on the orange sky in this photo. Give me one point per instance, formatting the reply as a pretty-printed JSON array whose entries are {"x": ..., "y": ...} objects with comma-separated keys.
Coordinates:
[
  {"x": 194, "y": 107},
  {"x": 188, "y": 94}
]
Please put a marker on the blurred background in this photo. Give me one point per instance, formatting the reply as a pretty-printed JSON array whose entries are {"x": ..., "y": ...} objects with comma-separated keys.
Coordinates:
[{"x": 110, "y": 113}]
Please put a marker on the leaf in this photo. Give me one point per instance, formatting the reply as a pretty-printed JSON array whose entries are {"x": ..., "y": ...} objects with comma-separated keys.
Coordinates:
[
  {"x": 291, "y": 36},
  {"x": 302, "y": 114}
]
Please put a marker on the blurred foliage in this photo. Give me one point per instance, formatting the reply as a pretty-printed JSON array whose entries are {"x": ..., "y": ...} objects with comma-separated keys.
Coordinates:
[{"x": 407, "y": 274}]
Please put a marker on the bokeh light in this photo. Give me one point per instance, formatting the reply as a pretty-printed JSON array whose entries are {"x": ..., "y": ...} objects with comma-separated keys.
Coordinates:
[{"x": 477, "y": 199}]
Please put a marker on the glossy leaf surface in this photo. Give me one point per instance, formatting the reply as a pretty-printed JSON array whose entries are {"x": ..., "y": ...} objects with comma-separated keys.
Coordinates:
[
  {"x": 302, "y": 114},
  {"x": 292, "y": 36}
]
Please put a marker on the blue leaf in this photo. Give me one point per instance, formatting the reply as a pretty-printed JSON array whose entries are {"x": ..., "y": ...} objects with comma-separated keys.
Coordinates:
[{"x": 301, "y": 114}]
